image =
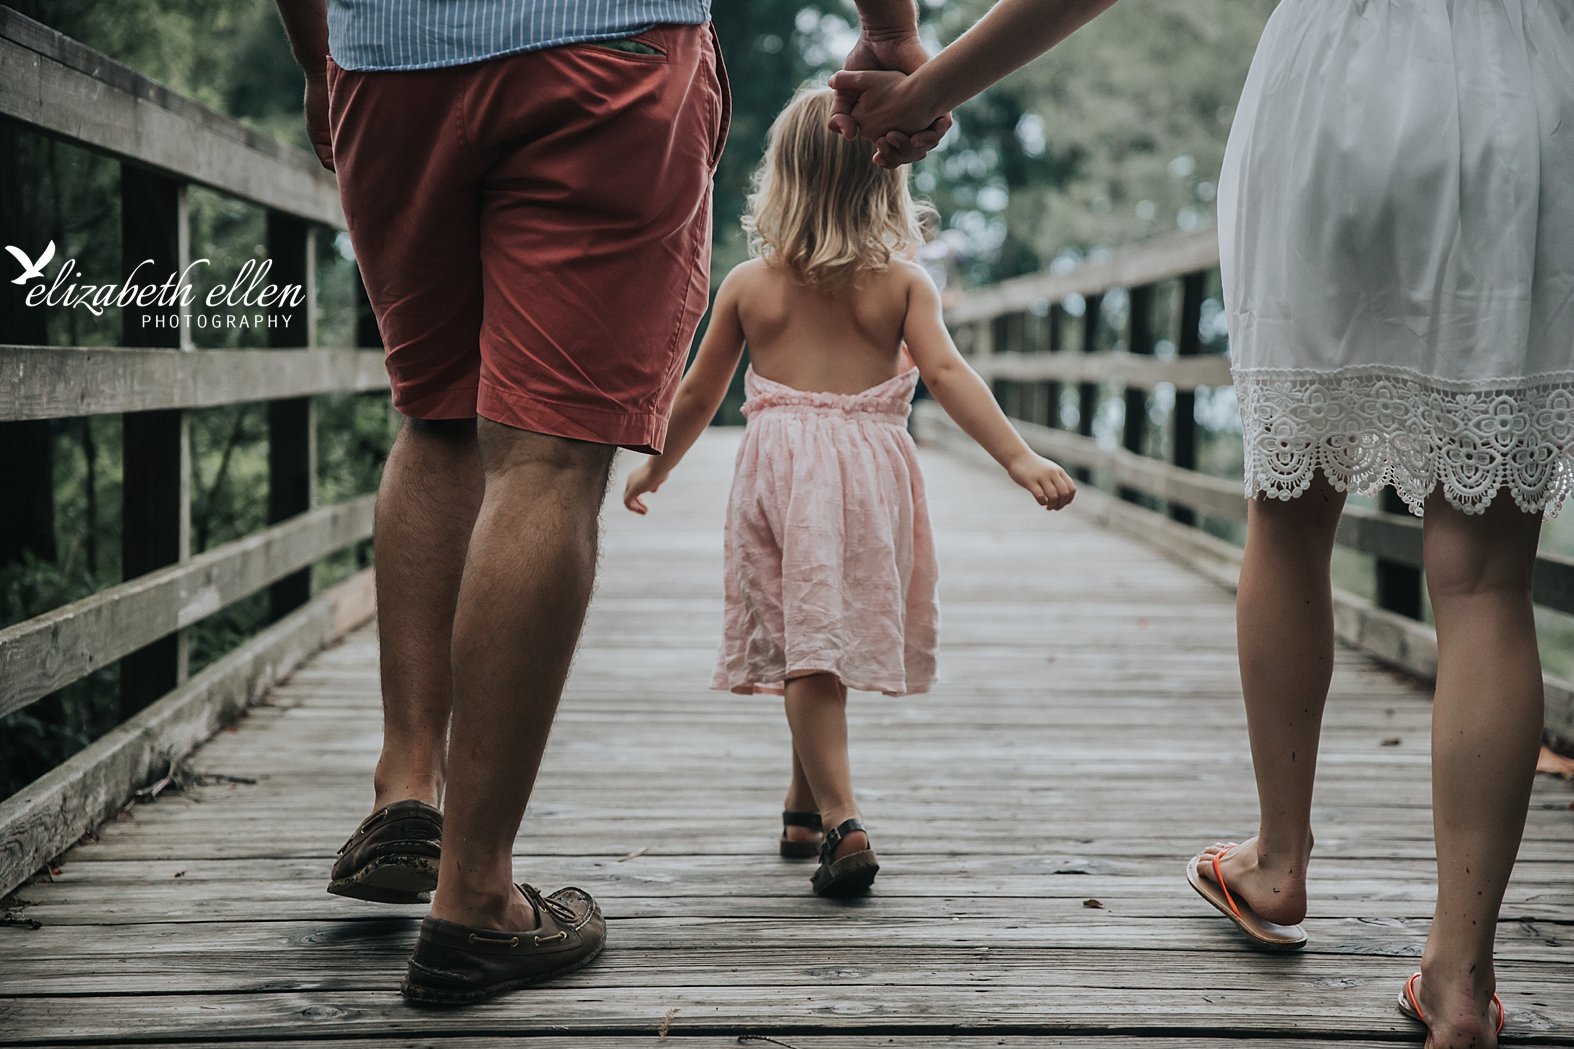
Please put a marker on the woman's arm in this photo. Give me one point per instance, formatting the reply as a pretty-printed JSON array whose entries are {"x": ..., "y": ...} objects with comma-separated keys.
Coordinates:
[
  {"x": 1013, "y": 33},
  {"x": 699, "y": 396},
  {"x": 967, "y": 399}
]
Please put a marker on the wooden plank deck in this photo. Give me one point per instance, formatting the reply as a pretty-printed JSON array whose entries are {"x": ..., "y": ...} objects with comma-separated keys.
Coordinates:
[{"x": 1033, "y": 816}]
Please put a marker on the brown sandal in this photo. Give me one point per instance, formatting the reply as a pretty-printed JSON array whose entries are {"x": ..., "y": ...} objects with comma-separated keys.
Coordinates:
[
  {"x": 852, "y": 874},
  {"x": 800, "y": 850}
]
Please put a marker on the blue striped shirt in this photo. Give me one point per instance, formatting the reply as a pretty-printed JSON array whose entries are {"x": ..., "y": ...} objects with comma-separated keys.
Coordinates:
[{"x": 425, "y": 34}]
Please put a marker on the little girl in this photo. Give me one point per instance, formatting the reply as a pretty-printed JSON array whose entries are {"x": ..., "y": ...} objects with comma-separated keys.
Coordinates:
[{"x": 829, "y": 556}]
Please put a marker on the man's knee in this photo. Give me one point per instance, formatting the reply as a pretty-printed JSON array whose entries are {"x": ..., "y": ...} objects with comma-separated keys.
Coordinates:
[{"x": 548, "y": 462}]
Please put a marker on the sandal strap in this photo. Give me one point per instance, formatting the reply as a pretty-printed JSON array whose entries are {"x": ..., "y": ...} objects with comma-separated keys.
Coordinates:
[
  {"x": 834, "y": 836},
  {"x": 811, "y": 820}
]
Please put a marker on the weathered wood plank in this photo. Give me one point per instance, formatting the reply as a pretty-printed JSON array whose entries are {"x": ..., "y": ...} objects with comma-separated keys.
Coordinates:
[
  {"x": 57, "y": 85},
  {"x": 42, "y": 819},
  {"x": 51, "y": 382},
  {"x": 50, "y": 651},
  {"x": 1396, "y": 640},
  {"x": 1000, "y": 804}
]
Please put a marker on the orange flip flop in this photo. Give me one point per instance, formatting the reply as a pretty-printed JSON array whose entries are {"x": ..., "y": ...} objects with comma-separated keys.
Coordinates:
[
  {"x": 1410, "y": 1005},
  {"x": 1260, "y": 929}
]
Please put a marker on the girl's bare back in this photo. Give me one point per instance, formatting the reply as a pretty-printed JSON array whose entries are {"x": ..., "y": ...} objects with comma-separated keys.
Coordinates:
[{"x": 842, "y": 340}]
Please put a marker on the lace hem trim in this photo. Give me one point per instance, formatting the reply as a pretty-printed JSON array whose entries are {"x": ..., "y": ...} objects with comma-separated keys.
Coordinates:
[{"x": 1372, "y": 426}]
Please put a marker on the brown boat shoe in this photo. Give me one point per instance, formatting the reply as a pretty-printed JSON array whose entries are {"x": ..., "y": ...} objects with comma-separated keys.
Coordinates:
[
  {"x": 454, "y": 964},
  {"x": 392, "y": 856}
]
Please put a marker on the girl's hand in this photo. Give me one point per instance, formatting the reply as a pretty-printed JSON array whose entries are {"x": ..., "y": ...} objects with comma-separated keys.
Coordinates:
[
  {"x": 645, "y": 478},
  {"x": 1051, "y": 486}
]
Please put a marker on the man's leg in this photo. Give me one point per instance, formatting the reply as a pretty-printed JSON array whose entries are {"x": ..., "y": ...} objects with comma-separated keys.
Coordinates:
[
  {"x": 426, "y": 508},
  {"x": 522, "y": 601}
]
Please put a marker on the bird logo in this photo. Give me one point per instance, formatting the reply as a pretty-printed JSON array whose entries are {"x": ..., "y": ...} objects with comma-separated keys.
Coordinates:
[{"x": 31, "y": 269}]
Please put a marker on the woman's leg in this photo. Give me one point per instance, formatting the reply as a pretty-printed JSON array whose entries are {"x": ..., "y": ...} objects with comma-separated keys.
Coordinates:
[
  {"x": 817, "y": 715},
  {"x": 1486, "y": 731},
  {"x": 1285, "y": 636}
]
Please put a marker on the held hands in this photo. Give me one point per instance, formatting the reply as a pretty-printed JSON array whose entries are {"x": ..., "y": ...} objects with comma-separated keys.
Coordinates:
[
  {"x": 876, "y": 65},
  {"x": 645, "y": 478},
  {"x": 1051, "y": 486}
]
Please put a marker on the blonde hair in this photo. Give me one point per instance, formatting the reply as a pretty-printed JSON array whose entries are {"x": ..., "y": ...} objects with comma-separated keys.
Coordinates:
[{"x": 820, "y": 207}]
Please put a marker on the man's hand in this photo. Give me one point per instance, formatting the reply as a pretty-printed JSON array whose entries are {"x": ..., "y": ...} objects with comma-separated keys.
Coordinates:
[
  {"x": 897, "y": 51},
  {"x": 317, "y": 118},
  {"x": 306, "y": 24}
]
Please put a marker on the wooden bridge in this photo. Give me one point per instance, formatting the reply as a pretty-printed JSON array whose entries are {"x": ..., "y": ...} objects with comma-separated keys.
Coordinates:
[{"x": 1033, "y": 814}]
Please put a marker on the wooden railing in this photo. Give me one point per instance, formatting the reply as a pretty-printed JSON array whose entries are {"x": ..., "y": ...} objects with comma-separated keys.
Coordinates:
[
  {"x": 165, "y": 143},
  {"x": 1015, "y": 335}
]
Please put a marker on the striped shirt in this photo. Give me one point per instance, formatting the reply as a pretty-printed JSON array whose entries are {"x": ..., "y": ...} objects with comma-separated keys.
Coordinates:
[{"x": 425, "y": 34}]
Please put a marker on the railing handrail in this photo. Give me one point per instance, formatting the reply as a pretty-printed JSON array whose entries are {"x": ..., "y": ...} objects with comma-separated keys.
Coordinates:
[
  {"x": 53, "y": 382},
  {"x": 57, "y": 85},
  {"x": 1148, "y": 262}
]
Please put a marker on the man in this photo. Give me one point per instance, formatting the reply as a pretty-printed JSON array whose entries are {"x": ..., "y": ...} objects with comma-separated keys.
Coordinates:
[{"x": 509, "y": 170}]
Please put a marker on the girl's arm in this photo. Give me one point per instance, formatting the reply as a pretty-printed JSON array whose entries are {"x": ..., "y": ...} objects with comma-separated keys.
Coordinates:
[
  {"x": 1013, "y": 33},
  {"x": 701, "y": 393},
  {"x": 967, "y": 399}
]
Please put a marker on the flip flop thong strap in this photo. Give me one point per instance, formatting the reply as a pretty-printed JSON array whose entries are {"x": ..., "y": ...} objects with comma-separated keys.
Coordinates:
[
  {"x": 1415, "y": 1003},
  {"x": 1410, "y": 993},
  {"x": 1218, "y": 875}
]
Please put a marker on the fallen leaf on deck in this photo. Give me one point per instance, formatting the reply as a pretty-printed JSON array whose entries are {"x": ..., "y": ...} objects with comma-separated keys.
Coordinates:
[
  {"x": 1391, "y": 741},
  {"x": 1097, "y": 905}
]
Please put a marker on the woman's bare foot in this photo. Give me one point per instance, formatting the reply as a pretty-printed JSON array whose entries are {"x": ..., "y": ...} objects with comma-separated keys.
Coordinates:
[
  {"x": 1274, "y": 889},
  {"x": 1460, "y": 1014}
]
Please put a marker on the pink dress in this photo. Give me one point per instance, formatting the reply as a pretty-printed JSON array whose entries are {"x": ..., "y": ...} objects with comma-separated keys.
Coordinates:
[{"x": 830, "y": 559}]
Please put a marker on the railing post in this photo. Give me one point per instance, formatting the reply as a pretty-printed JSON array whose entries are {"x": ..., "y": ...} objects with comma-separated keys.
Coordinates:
[
  {"x": 1088, "y": 392},
  {"x": 1013, "y": 332},
  {"x": 1183, "y": 441},
  {"x": 156, "y": 489},
  {"x": 1398, "y": 585},
  {"x": 292, "y": 423},
  {"x": 1053, "y": 332},
  {"x": 1139, "y": 341},
  {"x": 27, "y": 476}
]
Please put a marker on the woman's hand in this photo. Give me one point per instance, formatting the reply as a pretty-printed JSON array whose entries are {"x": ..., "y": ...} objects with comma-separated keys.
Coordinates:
[
  {"x": 889, "y": 109},
  {"x": 894, "y": 52},
  {"x": 1051, "y": 486},
  {"x": 645, "y": 478}
]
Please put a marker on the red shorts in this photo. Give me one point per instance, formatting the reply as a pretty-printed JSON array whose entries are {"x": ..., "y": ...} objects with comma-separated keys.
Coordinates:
[{"x": 534, "y": 230}]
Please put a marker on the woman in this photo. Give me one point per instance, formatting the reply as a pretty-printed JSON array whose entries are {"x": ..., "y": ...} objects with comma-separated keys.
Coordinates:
[{"x": 1396, "y": 227}]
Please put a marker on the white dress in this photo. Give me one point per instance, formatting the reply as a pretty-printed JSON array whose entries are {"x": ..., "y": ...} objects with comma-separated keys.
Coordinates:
[{"x": 1396, "y": 229}]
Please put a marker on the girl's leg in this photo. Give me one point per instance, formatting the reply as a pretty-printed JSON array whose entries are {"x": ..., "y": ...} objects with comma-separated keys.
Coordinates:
[
  {"x": 800, "y": 798},
  {"x": 817, "y": 715},
  {"x": 1486, "y": 731},
  {"x": 1285, "y": 636}
]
